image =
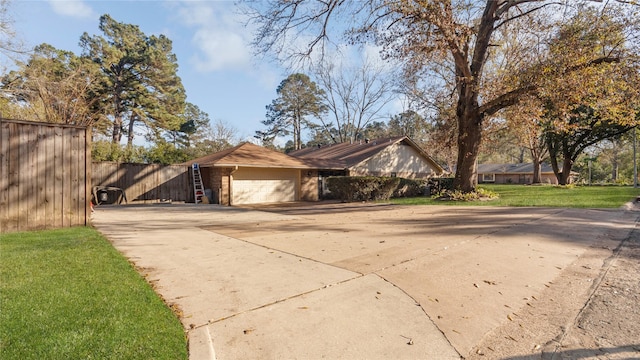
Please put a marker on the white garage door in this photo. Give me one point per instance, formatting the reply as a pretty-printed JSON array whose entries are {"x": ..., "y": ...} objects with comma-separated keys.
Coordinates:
[
  {"x": 264, "y": 185},
  {"x": 263, "y": 191}
]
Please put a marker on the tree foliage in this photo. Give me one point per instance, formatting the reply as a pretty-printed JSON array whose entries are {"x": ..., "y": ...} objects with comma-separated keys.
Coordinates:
[
  {"x": 584, "y": 129},
  {"x": 123, "y": 81},
  {"x": 299, "y": 100},
  {"x": 10, "y": 44},
  {"x": 138, "y": 83},
  {"x": 594, "y": 98},
  {"x": 461, "y": 41},
  {"x": 52, "y": 85}
]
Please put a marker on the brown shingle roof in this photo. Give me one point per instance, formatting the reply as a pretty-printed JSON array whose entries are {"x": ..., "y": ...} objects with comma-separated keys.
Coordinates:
[
  {"x": 523, "y": 168},
  {"x": 249, "y": 155},
  {"x": 346, "y": 155}
]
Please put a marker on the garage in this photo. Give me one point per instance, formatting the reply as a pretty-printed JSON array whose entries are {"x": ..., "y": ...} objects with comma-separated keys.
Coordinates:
[{"x": 264, "y": 185}]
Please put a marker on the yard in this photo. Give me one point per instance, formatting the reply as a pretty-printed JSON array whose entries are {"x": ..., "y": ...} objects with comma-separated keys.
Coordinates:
[
  {"x": 68, "y": 294},
  {"x": 544, "y": 196}
]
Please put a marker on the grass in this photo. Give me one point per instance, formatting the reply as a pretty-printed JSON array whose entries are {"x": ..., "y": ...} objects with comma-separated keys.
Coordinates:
[
  {"x": 68, "y": 294},
  {"x": 544, "y": 196}
]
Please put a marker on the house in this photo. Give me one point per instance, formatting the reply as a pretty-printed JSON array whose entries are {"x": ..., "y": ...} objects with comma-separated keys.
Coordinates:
[
  {"x": 396, "y": 156},
  {"x": 514, "y": 173},
  {"x": 251, "y": 174}
]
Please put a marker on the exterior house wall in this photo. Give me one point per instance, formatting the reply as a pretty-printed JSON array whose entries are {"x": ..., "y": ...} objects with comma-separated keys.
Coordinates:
[
  {"x": 226, "y": 185},
  {"x": 519, "y": 179},
  {"x": 401, "y": 160},
  {"x": 212, "y": 179},
  {"x": 218, "y": 180},
  {"x": 309, "y": 185}
]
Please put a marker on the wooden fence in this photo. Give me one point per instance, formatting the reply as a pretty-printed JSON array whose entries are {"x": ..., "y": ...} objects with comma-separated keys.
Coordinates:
[
  {"x": 44, "y": 175},
  {"x": 144, "y": 183}
]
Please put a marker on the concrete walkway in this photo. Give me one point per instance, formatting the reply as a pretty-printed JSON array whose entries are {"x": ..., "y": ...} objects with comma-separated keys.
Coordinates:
[{"x": 353, "y": 281}]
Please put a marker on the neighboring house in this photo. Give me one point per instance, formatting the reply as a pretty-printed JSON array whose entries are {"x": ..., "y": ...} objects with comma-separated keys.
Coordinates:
[
  {"x": 514, "y": 174},
  {"x": 250, "y": 174}
]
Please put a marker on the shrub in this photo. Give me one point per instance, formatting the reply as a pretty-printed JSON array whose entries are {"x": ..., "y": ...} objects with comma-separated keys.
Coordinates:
[
  {"x": 362, "y": 188},
  {"x": 441, "y": 184},
  {"x": 457, "y": 195},
  {"x": 410, "y": 188}
]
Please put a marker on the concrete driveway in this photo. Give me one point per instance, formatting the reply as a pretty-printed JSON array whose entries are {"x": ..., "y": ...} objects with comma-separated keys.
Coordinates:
[{"x": 362, "y": 281}]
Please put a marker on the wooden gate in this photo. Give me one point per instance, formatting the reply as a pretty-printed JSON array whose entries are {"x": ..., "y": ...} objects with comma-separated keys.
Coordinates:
[{"x": 45, "y": 178}]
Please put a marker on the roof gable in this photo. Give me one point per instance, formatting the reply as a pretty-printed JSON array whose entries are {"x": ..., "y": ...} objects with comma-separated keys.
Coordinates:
[{"x": 347, "y": 155}]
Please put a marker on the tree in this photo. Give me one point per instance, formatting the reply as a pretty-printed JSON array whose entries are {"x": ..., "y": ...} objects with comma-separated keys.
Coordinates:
[
  {"x": 355, "y": 96},
  {"x": 408, "y": 123},
  {"x": 612, "y": 152},
  {"x": 217, "y": 137},
  {"x": 462, "y": 37},
  {"x": 298, "y": 99},
  {"x": 585, "y": 129},
  {"x": 525, "y": 122},
  {"x": 9, "y": 42},
  {"x": 139, "y": 82},
  {"x": 193, "y": 128},
  {"x": 54, "y": 86},
  {"x": 588, "y": 104},
  {"x": 375, "y": 130}
]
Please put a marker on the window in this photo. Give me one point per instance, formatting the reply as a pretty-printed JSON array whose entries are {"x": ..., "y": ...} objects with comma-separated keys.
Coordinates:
[{"x": 488, "y": 177}]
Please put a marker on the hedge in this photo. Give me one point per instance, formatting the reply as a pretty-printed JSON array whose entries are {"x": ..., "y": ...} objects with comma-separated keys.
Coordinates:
[{"x": 362, "y": 188}]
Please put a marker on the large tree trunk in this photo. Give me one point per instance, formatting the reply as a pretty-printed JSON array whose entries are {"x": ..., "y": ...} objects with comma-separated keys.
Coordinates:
[
  {"x": 117, "y": 129},
  {"x": 130, "y": 133},
  {"x": 117, "y": 105},
  {"x": 565, "y": 175},
  {"x": 537, "y": 178},
  {"x": 469, "y": 138},
  {"x": 537, "y": 167},
  {"x": 614, "y": 165}
]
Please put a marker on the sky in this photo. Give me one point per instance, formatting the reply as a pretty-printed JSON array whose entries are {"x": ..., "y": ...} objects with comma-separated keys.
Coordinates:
[{"x": 216, "y": 64}]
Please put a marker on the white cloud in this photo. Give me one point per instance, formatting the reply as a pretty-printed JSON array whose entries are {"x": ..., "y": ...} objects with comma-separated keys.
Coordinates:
[
  {"x": 220, "y": 37},
  {"x": 78, "y": 9}
]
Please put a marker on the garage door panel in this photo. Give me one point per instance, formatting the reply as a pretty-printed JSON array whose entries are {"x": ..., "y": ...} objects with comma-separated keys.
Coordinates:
[{"x": 263, "y": 191}]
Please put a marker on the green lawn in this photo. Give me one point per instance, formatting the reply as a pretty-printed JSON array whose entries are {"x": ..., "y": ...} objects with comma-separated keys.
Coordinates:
[
  {"x": 544, "y": 196},
  {"x": 68, "y": 294}
]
